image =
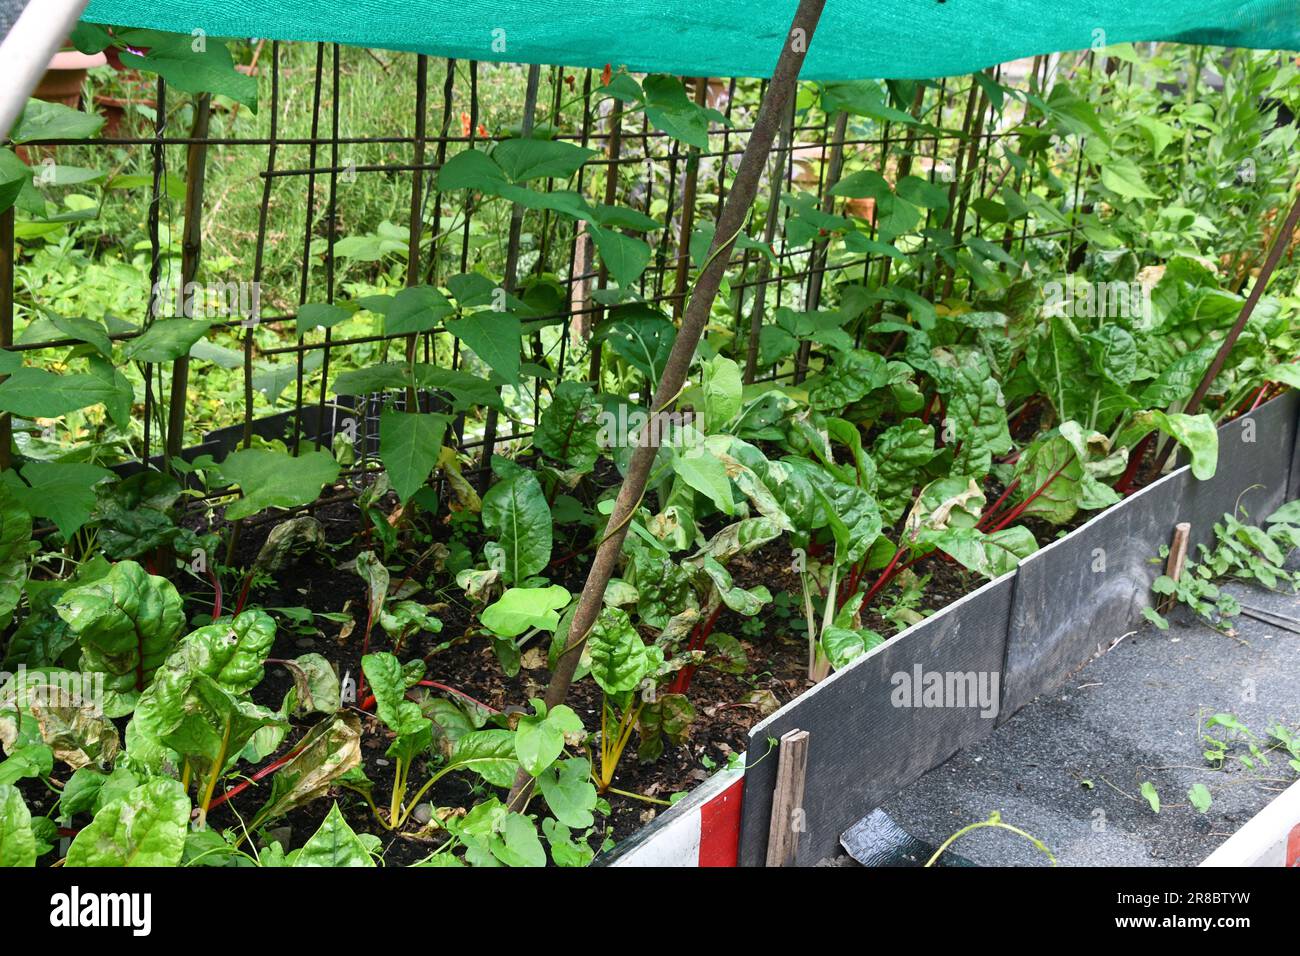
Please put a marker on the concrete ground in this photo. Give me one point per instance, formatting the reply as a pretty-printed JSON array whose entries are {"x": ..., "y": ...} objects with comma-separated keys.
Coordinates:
[{"x": 1068, "y": 768}]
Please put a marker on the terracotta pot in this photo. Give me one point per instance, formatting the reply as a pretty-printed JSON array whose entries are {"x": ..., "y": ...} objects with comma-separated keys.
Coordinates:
[{"x": 65, "y": 75}]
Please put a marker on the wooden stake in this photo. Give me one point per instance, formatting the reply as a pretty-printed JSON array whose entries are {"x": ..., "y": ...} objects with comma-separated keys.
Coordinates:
[
  {"x": 787, "y": 800},
  {"x": 1177, "y": 560}
]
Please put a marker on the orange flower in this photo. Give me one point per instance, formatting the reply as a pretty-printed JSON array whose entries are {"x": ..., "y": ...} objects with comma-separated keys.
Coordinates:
[
  {"x": 606, "y": 75},
  {"x": 464, "y": 124}
]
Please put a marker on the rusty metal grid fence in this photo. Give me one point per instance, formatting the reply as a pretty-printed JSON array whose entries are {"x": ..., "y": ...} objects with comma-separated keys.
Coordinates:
[{"x": 641, "y": 167}]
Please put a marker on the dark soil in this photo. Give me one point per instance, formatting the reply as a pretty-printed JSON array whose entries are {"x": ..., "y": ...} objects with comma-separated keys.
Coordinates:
[{"x": 726, "y": 705}]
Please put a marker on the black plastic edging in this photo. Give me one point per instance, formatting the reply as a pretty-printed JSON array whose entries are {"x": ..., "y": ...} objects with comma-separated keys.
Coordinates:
[
  {"x": 1047, "y": 619},
  {"x": 1091, "y": 586},
  {"x": 1085, "y": 589},
  {"x": 874, "y": 729}
]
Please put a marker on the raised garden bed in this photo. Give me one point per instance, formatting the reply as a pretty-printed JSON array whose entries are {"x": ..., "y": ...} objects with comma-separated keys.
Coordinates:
[{"x": 1028, "y": 631}]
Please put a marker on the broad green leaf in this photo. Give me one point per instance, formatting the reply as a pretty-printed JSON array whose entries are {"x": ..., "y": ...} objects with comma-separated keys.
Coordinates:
[
  {"x": 1148, "y": 790},
  {"x": 706, "y": 474},
  {"x": 642, "y": 338},
  {"x": 17, "y": 841},
  {"x": 669, "y": 109},
  {"x": 569, "y": 792},
  {"x": 37, "y": 393},
  {"x": 409, "y": 446},
  {"x": 525, "y": 159},
  {"x": 416, "y": 309},
  {"x": 1123, "y": 176},
  {"x": 863, "y": 98},
  {"x": 1196, "y": 433},
  {"x": 990, "y": 555},
  {"x": 516, "y": 512},
  {"x": 272, "y": 479},
  {"x": 517, "y": 844},
  {"x": 494, "y": 337},
  {"x": 1199, "y": 797},
  {"x": 539, "y": 737},
  {"x": 194, "y": 65},
  {"x": 489, "y": 753},
  {"x": 41, "y": 120},
  {"x": 334, "y": 844},
  {"x": 145, "y": 827},
  {"x": 519, "y": 609},
  {"x": 166, "y": 340},
  {"x": 471, "y": 169},
  {"x": 624, "y": 257},
  {"x": 321, "y": 315},
  {"x": 721, "y": 387},
  {"x": 843, "y": 645}
]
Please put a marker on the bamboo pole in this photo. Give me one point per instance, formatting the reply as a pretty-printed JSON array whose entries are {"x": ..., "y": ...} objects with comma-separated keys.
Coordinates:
[
  {"x": 730, "y": 222},
  {"x": 196, "y": 166}
]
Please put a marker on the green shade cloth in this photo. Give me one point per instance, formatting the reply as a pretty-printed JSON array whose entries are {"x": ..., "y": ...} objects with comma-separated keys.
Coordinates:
[{"x": 857, "y": 38}]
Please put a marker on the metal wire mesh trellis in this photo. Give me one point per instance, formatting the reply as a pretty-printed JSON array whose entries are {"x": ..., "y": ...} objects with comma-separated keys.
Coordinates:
[{"x": 961, "y": 141}]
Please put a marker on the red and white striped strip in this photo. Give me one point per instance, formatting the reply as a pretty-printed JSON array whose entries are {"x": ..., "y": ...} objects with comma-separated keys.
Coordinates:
[
  {"x": 1269, "y": 838},
  {"x": 702, "y": 830}
]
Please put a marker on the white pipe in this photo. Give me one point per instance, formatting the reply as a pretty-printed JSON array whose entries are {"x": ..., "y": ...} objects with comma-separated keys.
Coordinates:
[{"x": 26, "y": 50}]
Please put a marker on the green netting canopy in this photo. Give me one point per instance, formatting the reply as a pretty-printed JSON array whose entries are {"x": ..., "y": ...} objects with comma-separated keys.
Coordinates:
[{"x": 899, "y": 39}]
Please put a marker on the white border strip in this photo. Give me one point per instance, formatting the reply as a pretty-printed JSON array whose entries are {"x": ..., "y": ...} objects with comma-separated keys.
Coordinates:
[
  {"x": 26, "y": 50},
  {"x": 1264, "y": 840}
]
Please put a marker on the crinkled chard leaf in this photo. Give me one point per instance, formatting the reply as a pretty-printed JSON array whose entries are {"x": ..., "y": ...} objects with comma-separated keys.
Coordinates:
[
  {"x": 207, "y": 724},
  {"x": 976, "y": 412},
  {"x": 620, "y": 660},
  {"x": 570, "y": 427},
  {"x": 901, "y": 454},
  {"x": 17, "y": 840},
  {"x": 144, "y": 827},
  {"x": 230, "y": 651},
  {"x": 414, "y": 731},
  {"x": 126, "y": 623}
]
